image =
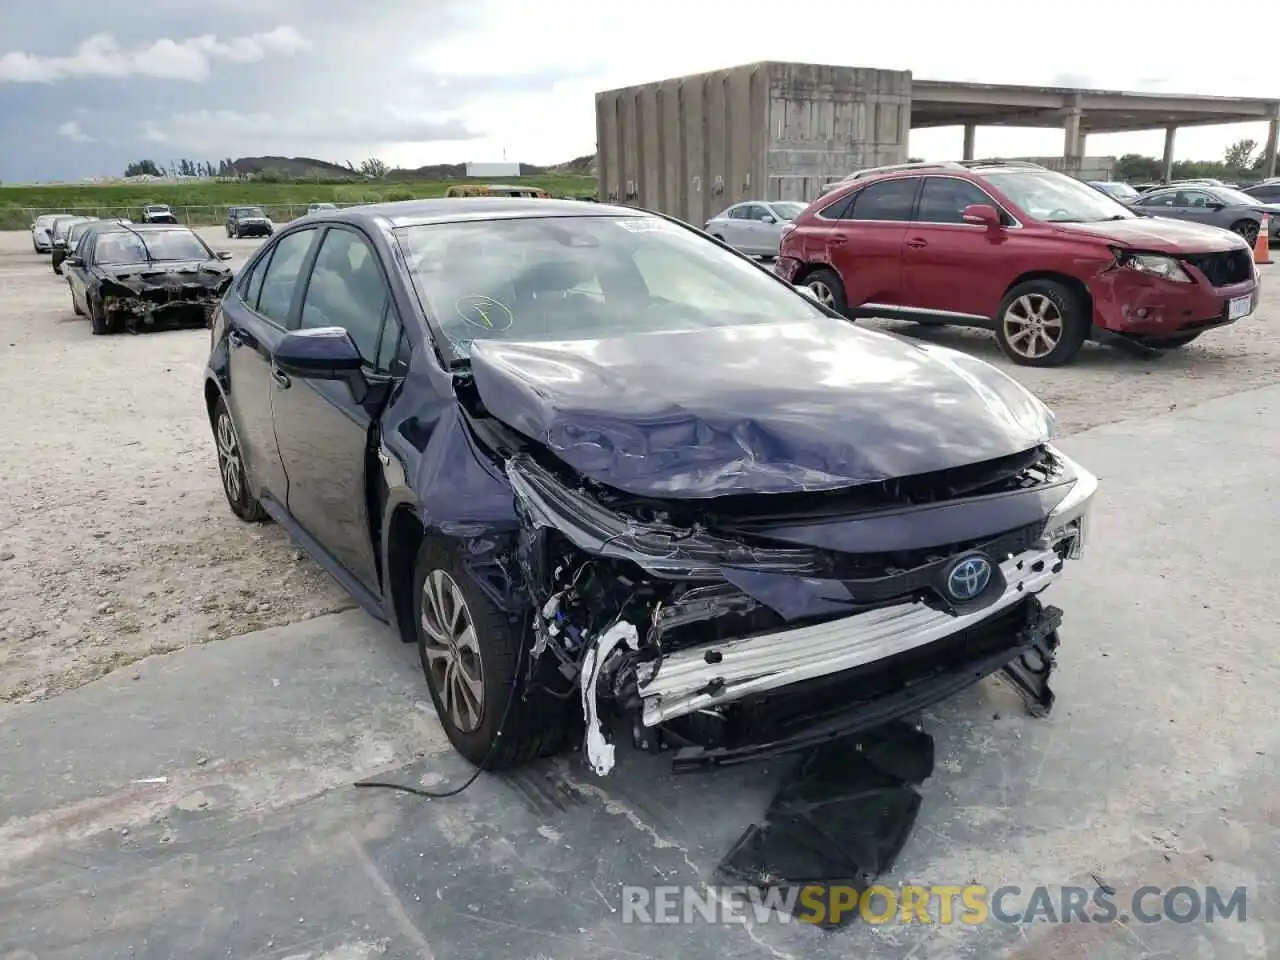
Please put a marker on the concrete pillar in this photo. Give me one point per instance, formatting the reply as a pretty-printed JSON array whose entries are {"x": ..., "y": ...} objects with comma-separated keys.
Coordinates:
[
  {"x": 1073, "y": 140},
  {"x": 1167, "y": 168},
  {"x": 1269, "y": 157},
  {"x": 970, "y": 131}
]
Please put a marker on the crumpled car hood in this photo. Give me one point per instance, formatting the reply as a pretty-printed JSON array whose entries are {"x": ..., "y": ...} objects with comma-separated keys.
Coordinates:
[
  {"x": 775, "y": 408},
  {"x": 144, "y": 276}
]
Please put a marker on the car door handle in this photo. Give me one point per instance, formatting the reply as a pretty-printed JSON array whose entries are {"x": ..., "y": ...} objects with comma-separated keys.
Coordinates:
[
  {"x": 282, "y": 379},
  {"x": 917, "y": 242},
  {"x": 235, "y": 338}
]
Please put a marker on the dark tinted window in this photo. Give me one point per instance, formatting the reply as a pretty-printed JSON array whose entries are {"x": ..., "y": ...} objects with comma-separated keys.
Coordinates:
[
  {"x": 756, "y": 212},
  {"x": 889, "y": 200},
  {"x": 1267, "y": 193},
  {"x": 347, "y": 290},
  {"x": 1164, "y": 198},
  {"x": 837, "y": 210},
  {"x": 251, "y": 284},
  {"x": 943, "y": 200},
  {"x": 281, "y": 276}
]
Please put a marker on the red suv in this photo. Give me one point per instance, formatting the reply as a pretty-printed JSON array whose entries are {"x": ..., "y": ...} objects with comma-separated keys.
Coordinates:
[{"x": 1044, "y": 260}]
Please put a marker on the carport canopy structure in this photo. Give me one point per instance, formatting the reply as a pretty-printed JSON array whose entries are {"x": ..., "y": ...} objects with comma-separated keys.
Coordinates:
[{"x": 937, "y": 103}]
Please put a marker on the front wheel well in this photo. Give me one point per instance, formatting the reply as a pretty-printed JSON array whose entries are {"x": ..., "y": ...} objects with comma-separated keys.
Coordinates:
[
  {"x": 404, "y": 538},
  {"x": 1075, "y": 285},
  {"x": 211, "y": 396}
]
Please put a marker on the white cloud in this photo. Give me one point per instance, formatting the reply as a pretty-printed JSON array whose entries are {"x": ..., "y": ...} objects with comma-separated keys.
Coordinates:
[
  {"x": 71, "y": 130},
  {"x": 297, "y": 131},
  {"x": 153, "y": 134},
  {"x": 668, "y": 38},
  {"x": 189, "y": 59}
]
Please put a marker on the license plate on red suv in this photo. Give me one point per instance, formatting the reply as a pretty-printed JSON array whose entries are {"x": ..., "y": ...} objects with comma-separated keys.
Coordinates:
[{"x": 1239, "y": 307}]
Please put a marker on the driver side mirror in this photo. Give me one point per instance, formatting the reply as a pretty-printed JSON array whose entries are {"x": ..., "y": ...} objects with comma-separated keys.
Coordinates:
[
  {"x": 1214, "y": 206},
  {"x": 73, "y": 261},
  {"x": 223, "y": 254},
  {"x": 982, "y": 215},
  {"x": 768, "y": 219},
  {"x": 322, "y": 353}
]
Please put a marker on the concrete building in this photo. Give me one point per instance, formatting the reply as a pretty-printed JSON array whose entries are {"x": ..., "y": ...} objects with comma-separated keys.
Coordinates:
[{"x": 691, "y": 146}]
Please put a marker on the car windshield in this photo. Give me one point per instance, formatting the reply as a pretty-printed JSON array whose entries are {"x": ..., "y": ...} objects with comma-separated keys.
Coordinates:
[
  {"x": 788, "y": 210},
  {"x": 129, "y": 247},
  {"x": 1121, "y": 191},
  {"x": 576, "y": 278},
  {"x": 251, "y": 212},
  {"x": 63, "y": 227},
  {"x": 1057, "y": 198},
  {"x": 1233, "y": 197}
]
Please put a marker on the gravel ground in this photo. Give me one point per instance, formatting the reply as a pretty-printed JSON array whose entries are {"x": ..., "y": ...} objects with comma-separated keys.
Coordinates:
[{"x": 115, "y": 540}]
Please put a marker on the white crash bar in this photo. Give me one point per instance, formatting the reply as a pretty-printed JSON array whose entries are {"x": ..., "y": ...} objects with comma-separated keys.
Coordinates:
[{"x": 766, "y": 662}]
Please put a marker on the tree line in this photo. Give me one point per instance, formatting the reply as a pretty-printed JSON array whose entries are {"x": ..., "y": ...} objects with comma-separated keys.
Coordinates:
[
  {"x": 1242, "y": 160},
  {"x": 370, "y": 169}
]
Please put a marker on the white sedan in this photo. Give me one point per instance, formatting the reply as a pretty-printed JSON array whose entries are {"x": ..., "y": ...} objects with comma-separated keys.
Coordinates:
[{"x": 755, "y": 227}]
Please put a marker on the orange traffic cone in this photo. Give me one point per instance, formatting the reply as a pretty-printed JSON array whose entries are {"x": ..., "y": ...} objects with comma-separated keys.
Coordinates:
[{"x": 1261, "y": 247}]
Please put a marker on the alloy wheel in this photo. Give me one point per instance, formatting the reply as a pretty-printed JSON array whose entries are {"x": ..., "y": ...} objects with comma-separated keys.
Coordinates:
[
  {"x": 1033, "y": 326},
  {"x": 451, "y": 652},
  {"x": 230, "y": 464},
  {"x": 823, "y": 292}
]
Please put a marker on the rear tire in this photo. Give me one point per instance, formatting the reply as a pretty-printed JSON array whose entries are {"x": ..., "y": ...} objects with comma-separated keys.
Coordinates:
[
  {"x": 231, "y": 466},
  {"x": 458, "y": 663},
  {"x": 829, "y": 289},
  {"x": 1042, "y": 323},
  {"x": 1248, "y": 229},
  {"x": 1172, "y": 343}
]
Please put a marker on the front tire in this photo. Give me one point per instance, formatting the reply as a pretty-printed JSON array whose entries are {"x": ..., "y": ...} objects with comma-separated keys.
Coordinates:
[
  {"x": 1248, "y": 229},
  {"x": 97, "y": 317},
  {"x": 75, "y": 304},
  {"x": 231, "y": 467},
  {"x": 1042, "y": 323},
  {"x": 469, "y": 651}
]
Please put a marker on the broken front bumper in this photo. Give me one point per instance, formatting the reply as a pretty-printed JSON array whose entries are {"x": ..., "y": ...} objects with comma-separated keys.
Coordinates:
[{"x": 701, "y": 677}]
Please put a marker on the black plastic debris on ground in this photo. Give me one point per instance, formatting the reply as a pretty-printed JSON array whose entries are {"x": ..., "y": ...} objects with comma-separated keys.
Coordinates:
[{"x": 839, "y": 821}]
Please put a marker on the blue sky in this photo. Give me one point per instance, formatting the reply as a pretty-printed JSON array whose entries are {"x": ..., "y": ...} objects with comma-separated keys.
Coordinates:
[{"x": 84, "y": 88}]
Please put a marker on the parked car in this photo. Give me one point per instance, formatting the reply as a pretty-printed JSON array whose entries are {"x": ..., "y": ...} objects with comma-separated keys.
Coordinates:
[
  {"x": 755, "y": 227},
  {"x": 1115, "y": 189},
  {"x": 1233, "y": 210},
  {"x": 1268, "y": 191},
  {"x": 59, "y": 240},
  {"x": 619, "y": 469},
  {"x": 1043, "y": 259},
  {"x": 320, "y": 208},
  {"x": 42, "y": 232},
  {"x": 62, "y": 233},
  {"x": 248, "y": 222},
  {"x": 129, "y": 277},
  {"x": 158, "y": 213}
]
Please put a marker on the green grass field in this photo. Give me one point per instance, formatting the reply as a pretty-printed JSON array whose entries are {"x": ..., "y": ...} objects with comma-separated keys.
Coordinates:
[{"x": 200, "y": 203}]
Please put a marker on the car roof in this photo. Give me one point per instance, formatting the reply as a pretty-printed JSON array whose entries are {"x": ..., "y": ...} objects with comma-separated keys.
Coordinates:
[{"x": 412, "y": 213}]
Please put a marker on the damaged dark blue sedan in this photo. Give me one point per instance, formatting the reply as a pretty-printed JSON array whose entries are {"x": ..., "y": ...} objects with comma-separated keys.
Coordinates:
[{"x": 610, "y": 475}]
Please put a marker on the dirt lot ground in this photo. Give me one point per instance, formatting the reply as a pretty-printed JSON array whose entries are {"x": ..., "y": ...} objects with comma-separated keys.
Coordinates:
[{"x": 115, "y": 540}]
